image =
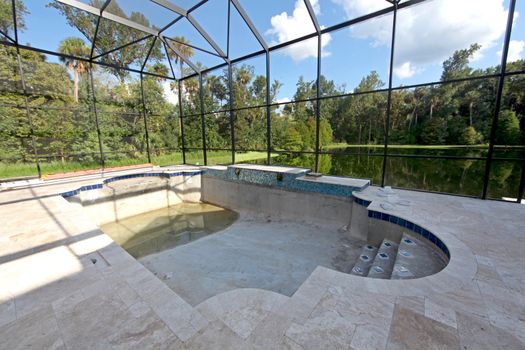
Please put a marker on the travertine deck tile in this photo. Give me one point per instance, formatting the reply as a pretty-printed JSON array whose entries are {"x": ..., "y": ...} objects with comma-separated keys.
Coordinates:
[
  {"x": 37, "y": 330},
  {"x": 53, "y": 296},
  {"x": 410, "y": 330}
]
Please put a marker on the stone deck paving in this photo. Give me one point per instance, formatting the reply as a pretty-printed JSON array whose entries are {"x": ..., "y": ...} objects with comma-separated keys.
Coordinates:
[{"x": 53, "y": 295}]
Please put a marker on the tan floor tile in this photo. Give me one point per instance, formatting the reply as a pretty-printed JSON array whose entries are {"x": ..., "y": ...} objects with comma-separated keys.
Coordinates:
[
  {"x": 37, "y": 330},
  {"x": 410, "y": 330},
  {"x": 478, "y": 334}
]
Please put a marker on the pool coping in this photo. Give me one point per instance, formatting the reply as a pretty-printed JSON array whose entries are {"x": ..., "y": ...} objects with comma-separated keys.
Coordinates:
[
  {"x": 461, "y": 267},
  {"x": 495, "y": 303},
  {"x": 99, "y": 184}
]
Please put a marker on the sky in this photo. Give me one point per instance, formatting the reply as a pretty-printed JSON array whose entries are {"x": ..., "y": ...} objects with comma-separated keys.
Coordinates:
[{"x": 426, "y": 35}]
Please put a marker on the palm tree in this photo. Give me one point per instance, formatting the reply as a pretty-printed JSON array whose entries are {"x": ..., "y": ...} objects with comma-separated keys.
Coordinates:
[
  {"x": 185, "y": 50},
  {"x": 77, "y": 48},
  {"x": 180, "y": 44}
]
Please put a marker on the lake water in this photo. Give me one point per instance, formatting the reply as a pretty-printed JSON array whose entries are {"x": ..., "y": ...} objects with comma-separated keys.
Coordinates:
[{"x": 441, "y": 175}]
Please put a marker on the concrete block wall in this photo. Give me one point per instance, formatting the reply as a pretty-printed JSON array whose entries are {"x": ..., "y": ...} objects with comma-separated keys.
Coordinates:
[
  {"x": 277, "y": 202},
  {"x": 359, "y": 222},
  {"x": 379, "y": 230},
  {"x": 124, "y": 198}
]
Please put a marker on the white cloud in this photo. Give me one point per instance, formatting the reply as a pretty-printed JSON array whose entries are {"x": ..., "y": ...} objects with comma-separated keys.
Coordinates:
[
  {"x": 279, "y": 110},
  {"x": 288, "y": 27},
  {"x": 168, "y": 93},
  {"x": 358, "y": 8},
  {"x": 404, "y": 71},
  {"x": 430, "y": 32},
  {"x": 515, "y": 50}
]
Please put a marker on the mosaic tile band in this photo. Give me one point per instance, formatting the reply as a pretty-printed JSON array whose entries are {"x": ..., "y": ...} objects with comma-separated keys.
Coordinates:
[
  {"x": 406, "y": 224},
  {"x": 166, "y": 175}
]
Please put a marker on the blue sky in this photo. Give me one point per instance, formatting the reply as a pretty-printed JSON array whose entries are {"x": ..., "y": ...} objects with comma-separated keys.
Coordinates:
[{"x": 427, "y": 34}]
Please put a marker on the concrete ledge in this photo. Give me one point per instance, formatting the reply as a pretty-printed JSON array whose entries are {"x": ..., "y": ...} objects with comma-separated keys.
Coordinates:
[
  {"x": 295, "y": 179},
  {"x": 461, "y": 267}
]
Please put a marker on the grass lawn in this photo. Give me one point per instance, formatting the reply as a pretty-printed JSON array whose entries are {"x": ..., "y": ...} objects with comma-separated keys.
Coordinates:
[{"x": 13, "y": 170}]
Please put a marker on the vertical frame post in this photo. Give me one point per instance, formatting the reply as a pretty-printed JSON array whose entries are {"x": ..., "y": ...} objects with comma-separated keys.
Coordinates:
[
  {"x": 499, "y": 94},
  {"x": 181, "y": 112},
  {"x": 318, "y": 103},
  {"x": 203, "y": 124},
  {"x": 232, "y": 113},
  {"x": 230, "y": 84},
  {"x": 268, "y": 112},
  {"x": 522, "y": 181},
  {"x": 24, "y": 89},
  {"x": 389, "y": 97},
  {"x": 28, "y": 113},
  {"x": 145, "y": 116},
  {"x": 95, "y": 110}
]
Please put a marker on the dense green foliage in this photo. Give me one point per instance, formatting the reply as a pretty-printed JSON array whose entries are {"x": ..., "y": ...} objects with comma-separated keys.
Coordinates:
[{"x": 64, "y": 114}]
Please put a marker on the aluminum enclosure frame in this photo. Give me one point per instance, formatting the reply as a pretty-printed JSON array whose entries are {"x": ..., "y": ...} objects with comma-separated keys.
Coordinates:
[{"x": 180, "y": 13}]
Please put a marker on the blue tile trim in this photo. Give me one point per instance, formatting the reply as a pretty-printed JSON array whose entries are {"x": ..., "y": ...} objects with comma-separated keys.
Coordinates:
[
  {"x": 288, "y": 181},
  {"x": 130, "y": 176},
  {"x": 362, "y": 202},
  {"x": 410, "y": 226}
]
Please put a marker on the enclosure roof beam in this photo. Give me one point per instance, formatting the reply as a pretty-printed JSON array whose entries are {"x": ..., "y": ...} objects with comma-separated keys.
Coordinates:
[
  {"x": 193, "y": 8},
  {"x": 83, "y": 59},
  {"x": 106, "y": 4},
  {"x": 311, "y": 12},
  {"x": 97, "y": 12},
  {"x": 169, "y": 60},
  {"x": 7, "y": 36},
  {"x": 123, "y": 46},
  {"x": 162, "y": 30},
  {"x": 206, "y": 36},
  {"x": 182, "y": 56},
  {"x": 170, "y": 6},
  {"x": 149, "y": 53},
  {"x": 250, "y": 24},
  {"x": 192, "y": 46}
]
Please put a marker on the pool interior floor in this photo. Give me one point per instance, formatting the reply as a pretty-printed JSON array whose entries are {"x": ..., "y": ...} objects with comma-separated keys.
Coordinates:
[{"x": 255, "y": 252}]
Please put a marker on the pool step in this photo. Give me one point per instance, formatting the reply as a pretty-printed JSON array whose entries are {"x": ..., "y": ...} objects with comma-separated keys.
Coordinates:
[
  {"x": 415, "y": 259},
  {"x": 410, "y": 258},
  {"x": 364, "y": 261},
  {"x": 384, "y": 260},
  {"x": 405, "y": 258}
]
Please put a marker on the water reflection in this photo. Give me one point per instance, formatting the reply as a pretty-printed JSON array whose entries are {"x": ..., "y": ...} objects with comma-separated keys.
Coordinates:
[{"x": 457, "y": 176}]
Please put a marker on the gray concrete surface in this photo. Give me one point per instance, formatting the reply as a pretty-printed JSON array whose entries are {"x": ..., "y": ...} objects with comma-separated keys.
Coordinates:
[
  {"x": 277, "y": 202},
  {"x": 255, "y": 252},
  {"x": 53, "y": 296}
]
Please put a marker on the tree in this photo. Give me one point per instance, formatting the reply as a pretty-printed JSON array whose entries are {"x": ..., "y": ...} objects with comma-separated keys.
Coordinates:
[
  {"x": 508, "y": 131},
  {"x": 6, "y": 15},
  {"x": 457, "y": 66},
  {"x": 112, "y": 35},
  {"x": 77, "y": 48},
  {"x": 181, "y": 44},
  {"x": 470, "y": 136},
  {"x": 434, "y": 132}
]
